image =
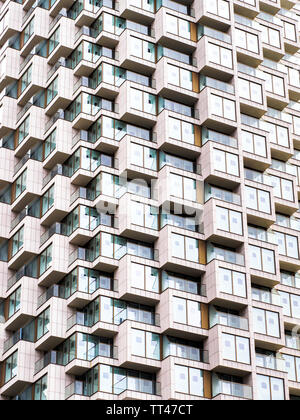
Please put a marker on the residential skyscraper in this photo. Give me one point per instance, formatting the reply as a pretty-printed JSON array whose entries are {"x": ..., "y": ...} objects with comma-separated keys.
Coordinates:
[{"x": 149, "y": 199}]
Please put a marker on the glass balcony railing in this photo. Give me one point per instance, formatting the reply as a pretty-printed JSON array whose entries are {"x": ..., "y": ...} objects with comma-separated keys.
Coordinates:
[
  {"x": 125, "y": 384},
  {"x": 215, "y": 84},
  {"x": 145, "y": 317},
  {"x": 270, "y": 361},
  {"x": 266, "y": 296},
  {"x": 232, "y": 389},
  {"x": 228, "y": 196},
  {"x": 213, "y": 33},
  {"x": 288, "y": 222},
  {"x": 221, "y": 254},
  {"x": 228, "y": 320},
  {"x": 263, "y": 235},
  {"x": 210, "y": 135}
]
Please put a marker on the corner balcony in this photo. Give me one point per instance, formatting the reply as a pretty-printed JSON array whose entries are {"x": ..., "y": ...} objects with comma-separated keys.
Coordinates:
[
  {"x": 189, "y": 327},
  {"x": 60, "y": 207},
  {"x": 133, "y": 60},
  {"x": 35, "y": 131},
  {"x": 129, "y": 226},
  {"x": 7, "y": 118},
  {"x": 28, "y": 249},
  {"x": 33, "y": 186},
  {"x": 127, "y": 357},
  {"x": 137, "y": 169},
  {"x": 143, "y": 114},
  {"x": 63, "y": 45},
  {"x": 207, "y": 66},
  {"x": 245, "y": 9},
  {"x": 215, "y": 172},
  {"x": 7, "y": 163},
  {"x": 178, "y": 134},
  {"x": 147, "y": 292},
  {"x": 23, "y": 372},
  {"x": 12, "y": 22},
  {"x": 227, "y": 291},
  {"x": 171, "y": 37},
  {"x": 186, "y": 91},
  {"x": 211, "y": 115},
  {"x": 218, "y": 361},
  {"x": 63, "y": 94},
  {"x": 39, "y": 30},
  {"x": 28, "y": 303},
  {"x": 57, "y": 153},
  {"x": 58, "y": 268},
  {"x": 218, "y": 18},
  {"x": 10, "y": 71},
  {"x": 180, "y": 190},
  {"x": 140, "y": 11},
  {"x": 214, "y": 232},
  {"x": 38, "y": 70},
  {"x": 54, "y": 332}
]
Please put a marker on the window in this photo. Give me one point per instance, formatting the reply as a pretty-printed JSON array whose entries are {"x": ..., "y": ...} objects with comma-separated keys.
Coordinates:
[
  {"x": 232, "y": 282},
  {"x": 262, "y": 259},
  {"x": 226, "y": 162},
  {"x": 22, "y": 131},
  {"x": 145, "y": 344},
  {"x": 143, "y": 101},
  {"x": 247, "y": 41},
  {"x": 40, "y": 389},
  {"x": 290, "y": 304},
  {"x": 250, "y": 90},
  {"x": 270, "y": 36},
  {"x": 269, "y": 388},
  {"x": 183, "y": 187},
  {"x": 266, "y": 322},
  {"x": 144, "y": 215},
  {"x": 144, "y": 277},
  {"x": 45, "y": 260},
  {"x": 142, "y": 156},
  {"x": 19, "y": 185},
  {"x": 220, "y": 55},
  {"x": 236, "y": 349},
  {"x": 288, "y": 245},
  {"x": 229, "y": 220},
  {"x": 25, "y": 80},
  {"x": 283, "y": 188},
  {"x": 17, "y": 242},
  {"x": 292, "y": 365},
  {"x": 14, "y": 302},
  {"x": 278, "y": 134},
  {"x": 258, "y": 200},
  {"x": 54, "y": 40},
  {"x": 223, "y": 107},
  {"x": 42, "y": 323},
  {"x": 47, "y": 200},
  {"x": 49, "y": 144},
  {"x": 10, "y": 367},
  {"x": 187, "y": 312},
  {"x": 180, "y": 77},
  {"x": 27, "y": 32},
  {"x": 185, "y": 248},
  {"x": 179, "y": 27},
  {"x": 181, "y": 130},
  {"x": 253, "y": 143},
  {"x": 189, "y": 381},
  {"x": 51, "y": 91},
  {"x": 142, "y": 49}
]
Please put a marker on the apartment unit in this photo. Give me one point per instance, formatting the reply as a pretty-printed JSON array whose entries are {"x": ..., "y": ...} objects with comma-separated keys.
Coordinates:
[{"x": 149, "y": 200}]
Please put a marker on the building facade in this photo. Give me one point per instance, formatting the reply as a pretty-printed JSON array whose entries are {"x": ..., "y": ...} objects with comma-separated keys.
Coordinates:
[{"x": 149, "y": 199}]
